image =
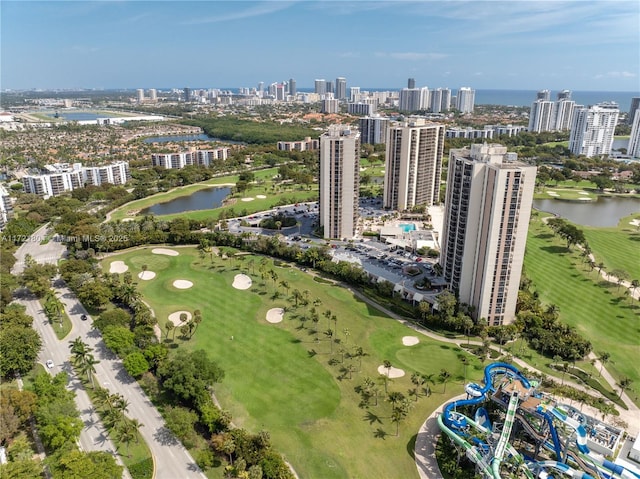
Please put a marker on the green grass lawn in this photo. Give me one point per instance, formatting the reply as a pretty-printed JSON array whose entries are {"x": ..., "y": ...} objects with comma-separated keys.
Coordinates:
[
  {"x": 280, "y": 379},
  {"x": 567, "y": 193},
  {"x": 596, "y": 308},
  {"x": 618, "y": 248}
]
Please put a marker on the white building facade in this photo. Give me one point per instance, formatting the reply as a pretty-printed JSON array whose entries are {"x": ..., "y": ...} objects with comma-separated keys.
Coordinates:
[
  {"x": 191, "y": 157},
  {"x": 593, "y": 128}
]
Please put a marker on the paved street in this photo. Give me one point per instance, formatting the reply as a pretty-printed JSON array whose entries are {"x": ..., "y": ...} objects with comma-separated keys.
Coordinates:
[{"x": 172, "y": 460}]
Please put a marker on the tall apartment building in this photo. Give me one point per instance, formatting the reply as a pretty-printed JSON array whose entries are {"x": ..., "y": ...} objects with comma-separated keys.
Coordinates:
[
  {"x": 413, "y": 164},
  {"x": 361, "y": 108},
  {"x": 487, "y": 211},
  {"x": 191, "y": 157},
  {"x": 635, "y": 104},
  {"x": 563, "y": 110},
  {"x": 373, "y": 129},
  {"x": 341, "y": 88},
  {"x": 187, "y": 94},
  {"x": 413, "y": 99},
  {"x": 6, "y": 207},
  {"x": 339, "y": 181},
  {"x": 440, "y": 100},
  {"x": 544, "y": 95},
  {"x": 330, "y": 106},
  {"x": 411, "y": 83},
  {"x": 541, "y": 116},
  {"x": 593, "y": 128},
  {"x": 634, "y": 141},
  {"x": 61, "y": 178},
  {"x": 293, "y": 91},
  {"x": 153, "y": 94},
  {"x": 320, "y": 86},
  {"x": 354, "y": 93},
  {"x": 465, "y": 100},
  {"x": 301, "y": 145},
  {"x": 140, "y": 95}
]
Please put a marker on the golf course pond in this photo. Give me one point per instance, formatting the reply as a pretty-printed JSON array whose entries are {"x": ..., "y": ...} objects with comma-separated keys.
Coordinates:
[
  {"x": 200, "y": 200},
  {"x": 603, "y": 213}
]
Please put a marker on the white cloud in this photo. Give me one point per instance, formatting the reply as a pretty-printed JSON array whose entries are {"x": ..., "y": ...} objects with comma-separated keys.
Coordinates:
[
  {"x": 265, "y": 8},
  {"x": 622, "y": 74},
  {"x": 411, "y": 56},
  {"x": 349, "y": 55}
]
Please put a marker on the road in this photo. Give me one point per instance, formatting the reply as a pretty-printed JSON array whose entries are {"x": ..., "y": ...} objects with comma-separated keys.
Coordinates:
[{"x": 171, "y": 459}]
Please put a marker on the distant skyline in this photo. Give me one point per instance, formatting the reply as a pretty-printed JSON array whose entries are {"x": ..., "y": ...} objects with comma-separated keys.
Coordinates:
[{"x": 520, "y": 45}]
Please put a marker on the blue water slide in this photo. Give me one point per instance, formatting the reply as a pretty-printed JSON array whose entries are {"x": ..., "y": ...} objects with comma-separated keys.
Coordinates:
[
  {"x": 457, "y": 421},
  {"x": 554, "y": 434}
]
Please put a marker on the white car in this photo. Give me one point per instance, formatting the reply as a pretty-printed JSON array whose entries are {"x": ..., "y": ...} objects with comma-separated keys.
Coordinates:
[{"x": 49, "y": 363}]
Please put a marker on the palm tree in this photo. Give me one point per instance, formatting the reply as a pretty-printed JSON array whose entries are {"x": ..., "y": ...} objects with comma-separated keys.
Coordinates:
[
  {"x": 183, "y": 317},
  {"x": 285, "y": 284},
  {"x": 387, "y": 364},
  {"x": 634, "y": 285},
  {"x": 444, "y": 378},
  {"x": 359, "y": 353},
  {"x": 604, "y": 359},
  {"x": 465, "y": 362},
  {"x": 144, "y": 269},
  {"x": 329, "y": 334},
  {"x": 88, "y": 367},
  {"x": 297, "y": 296},
  {"x": 126, "y": 433},
  {"x": 169, "y": 326},
  {"x": 624, "y": 384},
  {"x": 197, "y": 319}
]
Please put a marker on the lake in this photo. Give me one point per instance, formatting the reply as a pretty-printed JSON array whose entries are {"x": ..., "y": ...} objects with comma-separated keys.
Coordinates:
[
  {"x": 200, "y": 200},
  {"x": 200, "y": 137},
  {"x": 606, "y": 212}
]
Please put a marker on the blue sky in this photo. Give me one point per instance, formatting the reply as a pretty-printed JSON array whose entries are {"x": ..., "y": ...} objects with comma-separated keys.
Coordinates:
[{"x": 578, "y": 44}]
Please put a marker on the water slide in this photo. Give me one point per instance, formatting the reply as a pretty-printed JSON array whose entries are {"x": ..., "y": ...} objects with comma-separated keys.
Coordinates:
[
  {"x": 506, "y": 433},
  {"x": 581, "y": 443},
  {"x": 563, "y": 468}
]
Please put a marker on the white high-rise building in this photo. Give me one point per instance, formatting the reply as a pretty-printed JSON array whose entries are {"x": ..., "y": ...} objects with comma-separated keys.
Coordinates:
[
  {"x": 354, "y": 94},
  {"x": 153, "y": 94},
  {"x": 373, "y": 129},
  {"x": 339, "y": 181},
  {"x": 440, "y": 100},
  {"x": 544, "y": 95},
  {"x": 593, "y": 128},
  {"x": 634, "y": 141},
  {"x": 465, "y": 100},
  {"x": 541, "y": 116},
  {"x": 6, "y": 207},
  {"x": 413, "y": 164},
  {"x": 563, "y": 114},
  {"x": 487, "y": 211},
  {"x": 140, "y": 95},
  {"x": 411, "y": 99}
]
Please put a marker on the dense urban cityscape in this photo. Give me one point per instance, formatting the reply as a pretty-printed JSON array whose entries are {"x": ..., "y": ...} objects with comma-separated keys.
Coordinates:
[{"x": 299, "y": 275}]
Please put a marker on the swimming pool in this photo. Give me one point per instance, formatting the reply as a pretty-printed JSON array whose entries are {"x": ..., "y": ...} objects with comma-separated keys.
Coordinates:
[{"x": 407, "y": 227}]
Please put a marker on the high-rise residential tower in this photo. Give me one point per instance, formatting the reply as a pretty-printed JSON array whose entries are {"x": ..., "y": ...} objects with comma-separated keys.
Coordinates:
[
  {"x": 413, "y": 164},
  {"x": 487, "y": 210},
  {"x": 635, "y": 104},
  {"x": 465, "y": 100},
  {"x": 153, "y": 94},
  {"x": 593, "y": 128},
  {"x": 541, "y": 116},
  {"x": 373, "y": 129},
  {"x": 341, "y": 88},
  {"x": 320, "y": 87},
  {"x": 339, "y": 181},
  {"x": 411, "y": 83},
  {"x": 544, "y": 95},
  {"x": 140, "y": 95},
  {"x": 187, "y": 94},
  {"x": 292, "y": 87},
  {"x": 634, "y": 141}
]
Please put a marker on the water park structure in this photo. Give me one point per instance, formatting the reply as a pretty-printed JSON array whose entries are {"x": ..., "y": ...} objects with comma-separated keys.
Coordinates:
[{"x": 553, "y": 440}]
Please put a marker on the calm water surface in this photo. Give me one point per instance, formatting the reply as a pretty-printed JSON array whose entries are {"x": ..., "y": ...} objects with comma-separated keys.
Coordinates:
[
  {"x": 605, "y": 212},
  {"x": 200, "y": 200}
]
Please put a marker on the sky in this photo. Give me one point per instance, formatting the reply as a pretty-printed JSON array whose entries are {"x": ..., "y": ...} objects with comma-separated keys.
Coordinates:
[{"x": 518, "y": 45}]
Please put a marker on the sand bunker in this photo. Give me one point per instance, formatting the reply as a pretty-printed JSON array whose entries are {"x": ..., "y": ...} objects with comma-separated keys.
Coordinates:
[
  {"x": 118, "y": 267},
  {"x": 584, "y": 199},
  {"x": 391, "y": 372},
  {"x": 146, "y": 275},
  {"x": 175, "y": 317},
  {"x": 262, "y": 197},
  {"x": 584, "y": 193},
  {"x": 552, "y": 193},
  {"x": 167, "y": 252},
  {"x": 275, "y": 315},
  {"x": 247, "y": 199},
  {"x": 410, "y": 340},
  {"x": 241, "y": 281},
  {"x": 182, "y": 284},
  {"x": 634, "y": 222}
]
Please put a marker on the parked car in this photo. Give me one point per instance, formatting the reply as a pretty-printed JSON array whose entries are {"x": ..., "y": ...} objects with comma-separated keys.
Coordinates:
[
  {"x": 49, "y": 363},
  {"x": 84, "y": 317}
]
